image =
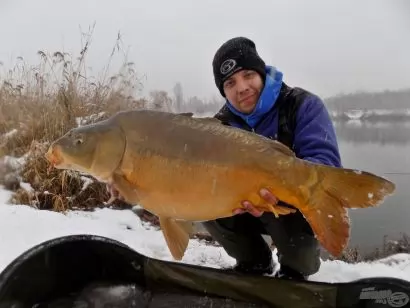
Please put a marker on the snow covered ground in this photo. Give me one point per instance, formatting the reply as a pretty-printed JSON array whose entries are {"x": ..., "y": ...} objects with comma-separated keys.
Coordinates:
[{"x": 22, "y": 227}]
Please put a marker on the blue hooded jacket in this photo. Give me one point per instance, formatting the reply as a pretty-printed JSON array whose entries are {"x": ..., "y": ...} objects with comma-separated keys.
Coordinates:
[{"x": 314, "y": 135}]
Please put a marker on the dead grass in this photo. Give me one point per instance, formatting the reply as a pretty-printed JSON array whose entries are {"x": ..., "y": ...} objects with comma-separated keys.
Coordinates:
[
  {"x": 40, "y": 103},
  {"x": 387, "y": 248}
]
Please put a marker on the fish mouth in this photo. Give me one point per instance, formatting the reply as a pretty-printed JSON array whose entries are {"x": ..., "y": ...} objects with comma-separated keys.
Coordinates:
[{"x": 54, "y": 157}]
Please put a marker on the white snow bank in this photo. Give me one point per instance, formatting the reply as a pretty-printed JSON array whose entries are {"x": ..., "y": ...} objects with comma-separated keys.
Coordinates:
[{"x": 22, "y": 227}]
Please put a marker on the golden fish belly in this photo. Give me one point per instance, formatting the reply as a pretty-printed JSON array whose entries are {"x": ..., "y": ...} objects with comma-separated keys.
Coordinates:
[{"x": 195, "y": 190}]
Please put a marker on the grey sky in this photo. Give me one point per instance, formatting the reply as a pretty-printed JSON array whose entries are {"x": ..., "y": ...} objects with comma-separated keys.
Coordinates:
[{"x": 325, "y": 46}]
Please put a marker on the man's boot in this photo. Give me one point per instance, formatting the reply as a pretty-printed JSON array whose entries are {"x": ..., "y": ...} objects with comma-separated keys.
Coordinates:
[
  {"x": 259, "y": 268},
  {"x": 289, "y": 273}
]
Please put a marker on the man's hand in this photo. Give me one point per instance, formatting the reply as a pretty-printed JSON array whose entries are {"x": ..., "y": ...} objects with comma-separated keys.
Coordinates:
[{"x": 250, "y": 208}]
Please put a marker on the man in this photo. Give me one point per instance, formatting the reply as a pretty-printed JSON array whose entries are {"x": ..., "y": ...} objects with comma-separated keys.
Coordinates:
[{"x": 254, "y": 92}]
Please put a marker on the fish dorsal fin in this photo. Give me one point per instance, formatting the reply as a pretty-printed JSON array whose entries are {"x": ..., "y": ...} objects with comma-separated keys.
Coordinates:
[
  {"x": 191, "y": 115},
  {"x": 211, "y": 120},
  {"x": 198, "y": 120},
  {"x": 186, "y": 114},
  {"x": 280, "y": 147}
]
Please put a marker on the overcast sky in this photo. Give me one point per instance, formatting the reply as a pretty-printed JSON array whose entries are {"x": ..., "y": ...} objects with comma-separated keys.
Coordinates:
[{"x": 325, "y": 46}]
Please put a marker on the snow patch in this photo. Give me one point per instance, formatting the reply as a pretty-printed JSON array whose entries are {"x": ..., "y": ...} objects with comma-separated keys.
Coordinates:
[{"x": 22, "y": 227}]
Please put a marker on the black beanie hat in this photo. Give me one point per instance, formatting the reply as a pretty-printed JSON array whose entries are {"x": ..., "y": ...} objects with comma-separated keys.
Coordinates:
[{"x": 234, "y": 55}]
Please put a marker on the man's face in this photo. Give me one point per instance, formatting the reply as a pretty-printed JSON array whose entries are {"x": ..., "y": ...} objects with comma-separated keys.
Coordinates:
[{"x": 243, "y": 89}]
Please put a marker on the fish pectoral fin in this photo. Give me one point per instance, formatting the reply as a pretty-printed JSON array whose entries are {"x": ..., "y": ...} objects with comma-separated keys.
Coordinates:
[
  {"x": 276, "y": 209},
  {"x": 176, "y": 235},
  {"x": 126, "y": 189},
  {"x": 329, "y": 221}
]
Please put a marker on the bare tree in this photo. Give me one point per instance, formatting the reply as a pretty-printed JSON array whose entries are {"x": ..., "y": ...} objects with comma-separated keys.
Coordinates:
[
  {"x": 161, "y": 101},
  {"x": 179, "y": 97}
]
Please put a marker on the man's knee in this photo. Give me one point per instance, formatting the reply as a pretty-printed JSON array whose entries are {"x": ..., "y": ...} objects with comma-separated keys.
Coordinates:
[
  {"x": 239, "y": 224},
  {"x": 241, "y": 242},
  {"x": 301, "y": 254},
  {"x": 222, "y": 225}
]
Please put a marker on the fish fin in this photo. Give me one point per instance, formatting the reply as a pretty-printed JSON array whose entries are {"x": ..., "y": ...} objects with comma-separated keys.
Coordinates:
[
  {"x": 110, "y": 200},
  {"x": 187, "y": 226},
  {"x": 355, "y": 189},
  {"x": 276, "y": 209},
  {"x": 327, "y": 200},
  {"x": 191, "y": 115},
  {"x": 267, "y": 145},
  {"x": 176, "y": 235},
  {"x": 279, "y": 146},
  {"x": 126, "y": 189},
  {"x": 211, "y": 119},
  {"x": 186, "y": 114},
  {"x": 329, "y": 221}
]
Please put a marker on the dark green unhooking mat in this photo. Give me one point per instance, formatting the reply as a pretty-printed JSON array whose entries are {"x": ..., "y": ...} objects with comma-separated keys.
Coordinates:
[{"x": 91, "y": 271}]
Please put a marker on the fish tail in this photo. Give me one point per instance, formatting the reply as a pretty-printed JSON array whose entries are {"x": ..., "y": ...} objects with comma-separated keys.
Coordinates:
[
  {"x": 329, "y": 221},
  {"x": 355, "y": 189},
  {"x": 337, "y": 190}
]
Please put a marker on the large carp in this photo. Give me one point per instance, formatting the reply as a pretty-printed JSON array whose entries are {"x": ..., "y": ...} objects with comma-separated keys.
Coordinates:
[{"x": 186, "y": 169}]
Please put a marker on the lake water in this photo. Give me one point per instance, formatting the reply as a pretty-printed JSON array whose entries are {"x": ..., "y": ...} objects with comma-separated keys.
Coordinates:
[{"x": 384, "y": 149}]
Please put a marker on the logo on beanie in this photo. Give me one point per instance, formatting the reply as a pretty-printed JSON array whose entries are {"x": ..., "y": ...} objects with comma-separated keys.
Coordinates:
[{"x": 227, "y": 66}]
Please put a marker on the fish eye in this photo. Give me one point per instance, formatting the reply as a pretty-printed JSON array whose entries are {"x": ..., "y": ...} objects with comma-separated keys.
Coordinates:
[{"x": 78, "y": 141}]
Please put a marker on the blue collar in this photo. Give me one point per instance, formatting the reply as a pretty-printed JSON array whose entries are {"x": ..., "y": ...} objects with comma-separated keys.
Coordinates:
[{"x": 267, "y": 99}]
